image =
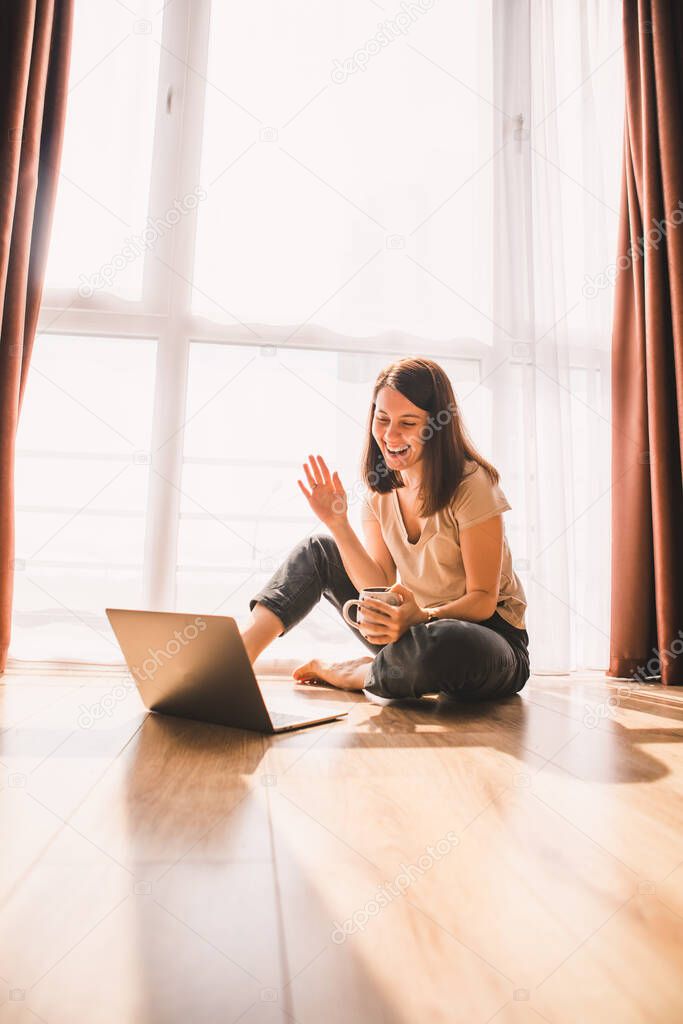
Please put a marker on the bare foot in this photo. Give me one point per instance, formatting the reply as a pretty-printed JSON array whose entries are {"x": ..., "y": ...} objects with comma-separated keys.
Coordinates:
[{"x": 345, "y": 675}]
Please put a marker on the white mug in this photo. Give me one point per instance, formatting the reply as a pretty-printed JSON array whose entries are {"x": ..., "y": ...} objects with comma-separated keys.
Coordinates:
[{"x": 379, "y": 593}]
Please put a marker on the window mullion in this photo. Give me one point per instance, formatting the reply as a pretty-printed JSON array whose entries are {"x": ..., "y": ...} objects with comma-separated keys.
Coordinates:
[{"x": 168, "y": 273}]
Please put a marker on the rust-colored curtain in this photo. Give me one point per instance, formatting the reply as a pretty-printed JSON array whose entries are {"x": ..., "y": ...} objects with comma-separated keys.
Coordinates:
[
  {"x": 647, "y": 355},
  {"x": 35, "y": 50}
]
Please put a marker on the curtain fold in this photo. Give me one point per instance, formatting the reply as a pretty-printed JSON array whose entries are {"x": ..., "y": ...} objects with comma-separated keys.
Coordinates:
[
  {"x": 559, "y": 71},
  {"x": 647, "y": 355},
  {"x": 35, "y": 47}
]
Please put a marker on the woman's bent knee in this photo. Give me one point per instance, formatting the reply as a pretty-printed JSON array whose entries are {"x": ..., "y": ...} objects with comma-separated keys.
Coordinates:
[{"x": 323, "y": 544}]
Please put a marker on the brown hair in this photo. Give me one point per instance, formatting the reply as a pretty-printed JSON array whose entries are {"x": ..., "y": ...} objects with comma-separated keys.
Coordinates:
[{"x": 446, "y": 443}]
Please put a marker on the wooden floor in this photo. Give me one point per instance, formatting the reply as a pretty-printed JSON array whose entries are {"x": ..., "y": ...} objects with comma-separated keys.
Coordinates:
[{"x": 516, "y": 863}]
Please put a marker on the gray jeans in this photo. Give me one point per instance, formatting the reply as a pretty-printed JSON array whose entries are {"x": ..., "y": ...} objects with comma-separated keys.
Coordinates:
[{"x": 469, "y": 660}]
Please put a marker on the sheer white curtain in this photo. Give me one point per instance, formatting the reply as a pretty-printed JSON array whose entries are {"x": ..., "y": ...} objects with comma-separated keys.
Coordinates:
[
  {"x": 366, "y": 181},
  {"x": 557, "y": 188}
]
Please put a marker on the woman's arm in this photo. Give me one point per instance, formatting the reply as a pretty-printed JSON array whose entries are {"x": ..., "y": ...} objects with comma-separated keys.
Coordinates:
[
  {"x": 373, "y": 567},
  {"x": 370, "y": 565},
  {"x": 482, "y": 554}
]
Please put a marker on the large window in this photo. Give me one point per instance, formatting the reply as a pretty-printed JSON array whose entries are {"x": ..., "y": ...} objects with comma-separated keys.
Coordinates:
[
  {"x": 82, "y": 472},
  {"x": 326, "y": 155},
  {"x": 260, "y": 206},
  {"x": 106, "y": 164}
]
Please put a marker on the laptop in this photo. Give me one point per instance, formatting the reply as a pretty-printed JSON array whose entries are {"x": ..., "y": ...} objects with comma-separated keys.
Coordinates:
[{"x": 196, "y": 666}]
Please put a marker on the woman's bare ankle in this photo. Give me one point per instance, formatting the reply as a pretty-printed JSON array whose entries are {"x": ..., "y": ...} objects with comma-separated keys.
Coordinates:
[
  {"x": 259, "y": 631},
  {"x": 250, "y": 646}
]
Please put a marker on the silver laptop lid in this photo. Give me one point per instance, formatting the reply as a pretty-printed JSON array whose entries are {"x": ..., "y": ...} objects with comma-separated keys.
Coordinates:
[{"x": 193, "y": 666}]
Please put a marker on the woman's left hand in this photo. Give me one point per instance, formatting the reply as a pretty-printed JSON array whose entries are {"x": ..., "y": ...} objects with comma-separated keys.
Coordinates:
[{"x": 383, "y": 623}]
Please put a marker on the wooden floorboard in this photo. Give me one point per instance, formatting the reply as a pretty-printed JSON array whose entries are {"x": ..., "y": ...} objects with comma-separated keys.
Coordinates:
[{"x": 513, "y": 862}]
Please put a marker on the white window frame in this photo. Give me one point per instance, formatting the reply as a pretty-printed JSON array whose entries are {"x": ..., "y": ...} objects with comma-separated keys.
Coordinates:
[{"x": 164, "y": 312}]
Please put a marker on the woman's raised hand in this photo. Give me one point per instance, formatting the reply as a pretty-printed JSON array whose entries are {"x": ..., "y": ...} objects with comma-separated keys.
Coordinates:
[{"x": 326, "y": 496}]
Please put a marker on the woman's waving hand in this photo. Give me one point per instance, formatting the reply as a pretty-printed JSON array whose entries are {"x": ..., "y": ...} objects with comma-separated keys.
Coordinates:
[{"x": 326, "y": 497}]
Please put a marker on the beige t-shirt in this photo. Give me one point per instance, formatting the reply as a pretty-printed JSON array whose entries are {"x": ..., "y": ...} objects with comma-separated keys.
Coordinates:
[{"x": 433, "y": 567}]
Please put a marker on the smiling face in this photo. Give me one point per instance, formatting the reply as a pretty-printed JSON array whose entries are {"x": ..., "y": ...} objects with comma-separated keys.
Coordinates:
[{"x": 396, "y": 427}]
